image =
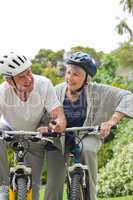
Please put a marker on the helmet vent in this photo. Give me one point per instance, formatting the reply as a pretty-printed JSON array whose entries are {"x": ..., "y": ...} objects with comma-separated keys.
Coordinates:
[
  {"x": 16, "y": 62},
  {"x": 20, "y": 59},
  {"x": 11, "y": 66},
  {"x": 25, "y": 58},
  {"x": 82, "y": 59},
  {"x": 9, "y": 73}
]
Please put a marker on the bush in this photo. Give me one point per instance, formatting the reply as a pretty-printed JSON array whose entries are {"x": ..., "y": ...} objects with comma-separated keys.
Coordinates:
[
  {"x": 53, "y": 74},
  {"x": 116, "y": 178}
]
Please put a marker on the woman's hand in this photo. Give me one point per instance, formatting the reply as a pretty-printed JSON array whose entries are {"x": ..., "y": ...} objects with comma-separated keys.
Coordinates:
[{"x": 105, "y": 128}]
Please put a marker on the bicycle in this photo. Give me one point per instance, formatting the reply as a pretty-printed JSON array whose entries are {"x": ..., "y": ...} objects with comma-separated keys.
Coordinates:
[
  {"x": 77, "y": 179},
  {"x": 20, "y": 175}
]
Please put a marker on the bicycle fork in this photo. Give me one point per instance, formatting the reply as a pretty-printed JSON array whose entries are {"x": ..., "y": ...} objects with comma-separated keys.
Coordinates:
[{"x": 80, "y": 169}]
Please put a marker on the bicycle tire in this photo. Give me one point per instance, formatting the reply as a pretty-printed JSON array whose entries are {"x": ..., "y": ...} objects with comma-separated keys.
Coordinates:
[
  {"x": 21, "y": 188},
  {"x": 87, "y": 188},
  {"x": 76, "y": 189}
]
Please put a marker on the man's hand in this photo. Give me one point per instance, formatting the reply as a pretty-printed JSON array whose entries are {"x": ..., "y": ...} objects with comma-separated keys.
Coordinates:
[
  {"x": 55, "y": 126},
  {"x": 57, "y": 115},
  {"x": 43, "y": 129}
]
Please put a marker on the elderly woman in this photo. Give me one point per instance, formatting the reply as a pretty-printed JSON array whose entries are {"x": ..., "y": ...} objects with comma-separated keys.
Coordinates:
[{"x": 87, "y": 104}]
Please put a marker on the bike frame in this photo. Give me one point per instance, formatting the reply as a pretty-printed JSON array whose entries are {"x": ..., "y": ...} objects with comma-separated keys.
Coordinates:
[
  {"x": 22, "y": 136},
  {"x": 77, "y": 168},
  {"x": 19, "y": 141}
]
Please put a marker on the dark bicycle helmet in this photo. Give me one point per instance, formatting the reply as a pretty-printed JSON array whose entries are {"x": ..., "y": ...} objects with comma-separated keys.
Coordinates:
[{"x": 83, "y": 60}]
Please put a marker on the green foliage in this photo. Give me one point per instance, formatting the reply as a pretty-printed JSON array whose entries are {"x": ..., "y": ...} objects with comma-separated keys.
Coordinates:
[
  {"x": 10, "y": 157},
  {"x": 91, "y": 51},
  {"x": 44, "y": 177},
  {"x": 37, "y": 68},
  {"x": 53, "y": 75},
  {"x": 116, "y": 178},
  {"x": 125, "y": 54},
  {"x": 122, "y": 83},
  {"x": 123, "y": 28},
  {"x": 106, "y": 72},
  {"x": 105, "y": 154},
  {"x": 47, "y": 57},
  {"x": 127, "y": 6},
  {"x": 1, "y": 78},
  {"x": 119, "y": 198}
]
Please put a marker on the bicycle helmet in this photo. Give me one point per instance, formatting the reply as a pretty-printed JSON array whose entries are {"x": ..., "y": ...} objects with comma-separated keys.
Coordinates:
[
  {"x": 13, "y": 64},
  {"x": 83, "y": 60}
]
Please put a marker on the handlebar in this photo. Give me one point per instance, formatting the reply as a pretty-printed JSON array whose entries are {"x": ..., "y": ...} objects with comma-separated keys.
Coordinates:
[
  {"x": 87, "y": 128},
  {"x": 29, "y": 135},
  {"x": 37, "y": 136}
]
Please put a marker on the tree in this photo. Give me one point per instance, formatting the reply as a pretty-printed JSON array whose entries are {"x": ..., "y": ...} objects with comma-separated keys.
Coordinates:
[
  {"x": 47, "y": 57},
  {"x": 96, "y": 55},
  {"x": 127, "y": 6},
  {"x": 37, "y": 69},
  {"x": 125, "y": 54},
  {"x": 123, "y": 27},
  {"x": 53, "y": 74}
]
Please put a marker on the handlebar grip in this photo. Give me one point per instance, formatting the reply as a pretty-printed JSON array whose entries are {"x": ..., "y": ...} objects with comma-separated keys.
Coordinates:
[
  {"x": 114, "y": 127},
  {"x": 51, "y": 134}
]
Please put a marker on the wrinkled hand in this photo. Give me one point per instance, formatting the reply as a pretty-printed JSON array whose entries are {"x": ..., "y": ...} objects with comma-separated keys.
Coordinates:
[
  {"x": 55, "y": 126},
  {"x": 105, "y": 128},
  {"x": 43, "y": 129}
]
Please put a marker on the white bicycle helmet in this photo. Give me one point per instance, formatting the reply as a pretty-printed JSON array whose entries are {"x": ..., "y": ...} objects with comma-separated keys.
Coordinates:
[{"x": 13, "y": 64}]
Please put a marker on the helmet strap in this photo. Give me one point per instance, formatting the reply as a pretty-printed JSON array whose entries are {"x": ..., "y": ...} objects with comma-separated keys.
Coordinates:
[
  {"x": 15, "y": 88},
  {"x": 23, "y": 96}
]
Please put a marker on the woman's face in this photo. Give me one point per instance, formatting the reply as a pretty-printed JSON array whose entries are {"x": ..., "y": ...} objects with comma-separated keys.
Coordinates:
[{"x": 75, "y": 77}]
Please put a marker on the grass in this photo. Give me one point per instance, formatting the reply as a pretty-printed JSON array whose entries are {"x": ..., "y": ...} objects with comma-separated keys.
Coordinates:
[
  {"x": 65, "y": 197},
  {"x": 119, "y": 198}
]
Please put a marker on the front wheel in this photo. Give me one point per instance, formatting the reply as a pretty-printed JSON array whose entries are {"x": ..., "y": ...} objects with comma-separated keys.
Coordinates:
[
  {"x": 21, "y": 188},
  {"x": 76, "y": 189}
]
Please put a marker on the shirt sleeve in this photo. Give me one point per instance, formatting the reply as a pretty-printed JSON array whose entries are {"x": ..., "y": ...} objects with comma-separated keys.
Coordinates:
[
  {"x": 126, "y": 105},
  {"x": 51, "y": 98}
]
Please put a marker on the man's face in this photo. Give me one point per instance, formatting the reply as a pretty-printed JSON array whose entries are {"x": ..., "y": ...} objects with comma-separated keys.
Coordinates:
[{"x": 24, "y": 81}]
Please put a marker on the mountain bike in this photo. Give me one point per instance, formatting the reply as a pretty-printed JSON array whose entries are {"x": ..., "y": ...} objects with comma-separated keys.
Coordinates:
[
  {"x": 77, "y": 178},
  {"x": 20, "y": 175}
]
